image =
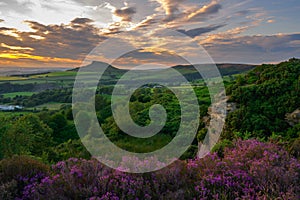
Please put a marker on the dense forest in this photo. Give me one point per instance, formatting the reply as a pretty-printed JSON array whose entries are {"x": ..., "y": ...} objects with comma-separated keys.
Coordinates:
[
  {"x": 42, "y": 157},
  {"x": 265, "y": 96}
]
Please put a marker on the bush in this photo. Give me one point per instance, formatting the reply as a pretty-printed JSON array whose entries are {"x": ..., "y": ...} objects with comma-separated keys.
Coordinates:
[
  {"x": 250, "y": 170},
  {"x": 8, "y": 190},
  {"x": 23, "y": 166},
  {"x": 17, "y": 172},
  {"x": 295, "y": 148},
  {"x": 219, "y": 147}
]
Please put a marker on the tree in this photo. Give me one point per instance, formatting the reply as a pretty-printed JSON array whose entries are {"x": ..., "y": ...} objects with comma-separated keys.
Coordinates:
[
  {"x": 28, "y": 136},
  {"x": 58, "y": 122}
]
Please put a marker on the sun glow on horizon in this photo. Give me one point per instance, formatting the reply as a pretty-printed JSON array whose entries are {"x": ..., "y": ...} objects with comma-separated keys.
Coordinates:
[{"x": 45, "y": 60}]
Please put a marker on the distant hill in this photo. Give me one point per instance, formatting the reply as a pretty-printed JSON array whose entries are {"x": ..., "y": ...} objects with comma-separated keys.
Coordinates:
[
  {"x": 187, "y": 70},
  {"x": 26, "y": 72},
  {"x": 110, "y": 68},
  {"x": 225, "y": 69}
]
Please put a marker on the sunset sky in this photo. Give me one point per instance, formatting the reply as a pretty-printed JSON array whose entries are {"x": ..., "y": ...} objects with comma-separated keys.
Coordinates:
[{"x": 61, "y": 33}]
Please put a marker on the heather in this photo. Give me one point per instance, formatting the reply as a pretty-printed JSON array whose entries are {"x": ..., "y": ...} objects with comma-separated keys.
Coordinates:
[
  {"x": 42, "y": 156},
  {"x": 247, "y": 170}
]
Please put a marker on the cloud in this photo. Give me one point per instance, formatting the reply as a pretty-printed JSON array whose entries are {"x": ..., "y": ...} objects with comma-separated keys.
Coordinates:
[
  {"x": 242, "y": 13},
  {"x": 255, "y": 49},
  {"x": 169, "y": 6},
  {"x": 239, "y": 49},
  {"x": 140, "y": 57},
  {"x": 79, "y": 23},
  {"x": 17, "y": 6},
  {"x": 202, "y": 13},
  {"x": 125, "y": 13},
  {"x": 199, "y": 31},
  {"x": 37, "y": 26},
  {"x": 15, "y": 47},
  {"x": 118, "y": 18},
  {"x": 65, "y": 37},
  {"x": 8, "y": 32},
  {"x": 178, "y": 13},
  {"x": 82, "y": 21},
  {"x": 150, "y": 20},
  {"x": 68, "y": 42}
]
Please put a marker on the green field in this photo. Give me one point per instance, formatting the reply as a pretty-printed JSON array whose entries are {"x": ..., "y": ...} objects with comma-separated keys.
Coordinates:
[
  {"x": 140, "y": 145},
  {"x": 11, "y": 78},
  {"x": 56, "y": 74},
  {"x": 65, "y": 79},
  {"x": 14, "y": 94},
  {"x": 13, "y": 114},
  {"x": 49, "y": 106}
]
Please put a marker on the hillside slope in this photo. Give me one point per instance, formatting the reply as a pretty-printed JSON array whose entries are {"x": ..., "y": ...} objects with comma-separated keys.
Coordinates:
[{"x": 264, "y": 96}]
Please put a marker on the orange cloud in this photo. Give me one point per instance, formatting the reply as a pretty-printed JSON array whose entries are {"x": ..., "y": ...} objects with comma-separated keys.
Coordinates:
[
  {"x": 48, "y": 45},
  {"x": 213, "y": 7},
  {"x": 38, "y": 58},
  {"x": 15, "y": 47},
  {"x": 9, "y": 32}
]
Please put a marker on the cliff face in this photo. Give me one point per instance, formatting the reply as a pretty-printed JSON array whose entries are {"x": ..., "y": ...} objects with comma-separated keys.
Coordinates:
[{"x": 293, "y": 118}]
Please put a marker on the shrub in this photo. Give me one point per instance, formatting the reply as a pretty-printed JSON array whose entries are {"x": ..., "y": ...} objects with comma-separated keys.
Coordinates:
[
  {"x": 249, "y": 170},
  {"x": 17, "y": 172},
  {"x": 295, "y": 148},
  {"x": 8, "y": 190},
  {"x": 20, "y": 166},
  {"x": 273, "y": 170},
  {"x": 219, "y": 147}
]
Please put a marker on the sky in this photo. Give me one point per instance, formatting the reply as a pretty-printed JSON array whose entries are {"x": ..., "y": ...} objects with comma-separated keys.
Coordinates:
[{"x": 64, "y": 33}]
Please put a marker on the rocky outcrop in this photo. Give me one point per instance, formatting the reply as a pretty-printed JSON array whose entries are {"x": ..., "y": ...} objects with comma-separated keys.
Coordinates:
[
  {"x": 230, "y": 107},
  {"x": 293, "y": 118},
  {"x": 215, "y": 122}
]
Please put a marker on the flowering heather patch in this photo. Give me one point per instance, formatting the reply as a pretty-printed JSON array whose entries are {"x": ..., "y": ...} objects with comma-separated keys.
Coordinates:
[
  {"x": 18, "y": 173},
  {"x": 249, "y": 170}
]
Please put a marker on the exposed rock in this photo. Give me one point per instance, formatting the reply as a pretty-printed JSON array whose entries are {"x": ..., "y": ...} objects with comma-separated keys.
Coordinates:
[
  {"x": 293, "y": 118},
  {"x": 215, "y": 122},
  {"x": 230, "y": 107}
]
